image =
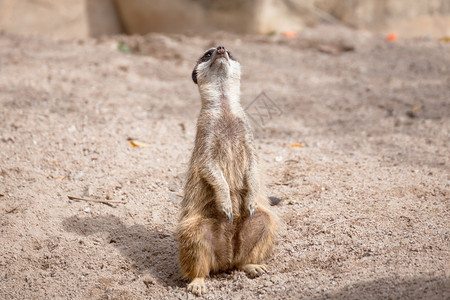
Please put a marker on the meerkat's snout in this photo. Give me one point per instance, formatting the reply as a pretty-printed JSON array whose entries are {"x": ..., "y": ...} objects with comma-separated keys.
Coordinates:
[
  {"x": 221, "y": 49},
  {"x": 221, "y": 52}
]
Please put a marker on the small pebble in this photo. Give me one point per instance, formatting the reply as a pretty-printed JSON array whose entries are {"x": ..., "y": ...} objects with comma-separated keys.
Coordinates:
[
  {"x": 148, "y": 281},
  {"x": 88, "y": 191}
]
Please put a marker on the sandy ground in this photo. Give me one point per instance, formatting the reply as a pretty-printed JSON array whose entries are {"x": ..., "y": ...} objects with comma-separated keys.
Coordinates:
[{"x": 365, "y": 211}]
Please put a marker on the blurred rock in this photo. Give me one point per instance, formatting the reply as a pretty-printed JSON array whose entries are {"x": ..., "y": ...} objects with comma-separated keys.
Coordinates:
[
  {"x": 94, "y": 18},
  {"x": 202, "y": 16},
  {"x": 406, "y": 18},
  {"x": 62, "y": 19}
]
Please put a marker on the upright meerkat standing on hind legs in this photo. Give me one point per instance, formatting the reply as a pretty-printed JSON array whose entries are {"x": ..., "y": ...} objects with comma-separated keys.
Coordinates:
[{"x": 225, "y": 220}]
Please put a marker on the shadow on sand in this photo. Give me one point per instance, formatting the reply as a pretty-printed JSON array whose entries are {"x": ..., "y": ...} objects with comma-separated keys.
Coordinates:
[
  {"x": 153, "y": 251},
  {"x": 393, "y": 288}
]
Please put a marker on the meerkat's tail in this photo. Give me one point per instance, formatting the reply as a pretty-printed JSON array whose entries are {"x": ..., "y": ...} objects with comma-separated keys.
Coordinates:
[{"x": 274, "y": 201}]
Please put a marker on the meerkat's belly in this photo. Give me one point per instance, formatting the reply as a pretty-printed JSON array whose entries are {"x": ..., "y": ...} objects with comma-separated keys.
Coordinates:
[
  {"x": 232, "y": 151},
  {"x": 232, "y": 159}
]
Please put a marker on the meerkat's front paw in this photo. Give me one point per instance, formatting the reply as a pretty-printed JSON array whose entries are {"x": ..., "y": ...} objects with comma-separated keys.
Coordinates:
[
  {"x": 254, "y": 270},
  {"x": 252, "y": 208},
  {"x": 197, "y": 286}
]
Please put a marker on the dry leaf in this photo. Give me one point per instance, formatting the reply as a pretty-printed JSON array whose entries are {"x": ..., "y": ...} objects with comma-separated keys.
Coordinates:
[
  {"x": 296, "y": 145},
  {"x": 290, "y": 34},
  {"x": 135, "y": 143},
  {"x": 392, "y": 37}
]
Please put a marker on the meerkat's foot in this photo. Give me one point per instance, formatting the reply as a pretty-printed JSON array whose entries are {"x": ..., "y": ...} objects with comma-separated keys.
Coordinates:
[
  {"x": 197, "y": 286},
  {"x": 254, "y": 270}
]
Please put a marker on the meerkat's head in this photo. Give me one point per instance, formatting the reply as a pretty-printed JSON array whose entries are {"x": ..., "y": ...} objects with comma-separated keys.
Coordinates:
[{"x": 216, "y": 65}]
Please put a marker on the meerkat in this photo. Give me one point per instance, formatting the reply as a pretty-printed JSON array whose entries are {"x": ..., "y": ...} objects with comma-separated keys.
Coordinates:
[{"x": 225, "y": 219}]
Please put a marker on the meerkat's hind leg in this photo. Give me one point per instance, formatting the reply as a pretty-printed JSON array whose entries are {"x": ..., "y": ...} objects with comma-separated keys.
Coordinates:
[
  {"x": 197, "y": 286},
  {"x": 195, "y": 251},
  {"x": 256, "y": 239}
]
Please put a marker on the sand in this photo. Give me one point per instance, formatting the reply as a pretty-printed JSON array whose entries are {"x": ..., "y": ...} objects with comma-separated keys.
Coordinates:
[{"x": 356, "y": 145}]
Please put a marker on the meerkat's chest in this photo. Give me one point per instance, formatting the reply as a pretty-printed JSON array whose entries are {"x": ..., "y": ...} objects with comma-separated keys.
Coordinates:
[
  {"x": 230, "y": 134},
  {"x": 229, "y": 128}
]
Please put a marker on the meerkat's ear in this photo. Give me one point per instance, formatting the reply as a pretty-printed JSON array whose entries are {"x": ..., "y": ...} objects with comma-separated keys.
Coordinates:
[{"x": 194, "y": 75}]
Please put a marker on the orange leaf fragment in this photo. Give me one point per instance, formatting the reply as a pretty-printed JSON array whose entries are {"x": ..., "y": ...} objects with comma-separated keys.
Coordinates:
[
  {"x": 135, "y": 143},
  {"x": 296, "y": 145},
  {"x": 290, "y": 34},
  {"x": 391, "y": 37}
]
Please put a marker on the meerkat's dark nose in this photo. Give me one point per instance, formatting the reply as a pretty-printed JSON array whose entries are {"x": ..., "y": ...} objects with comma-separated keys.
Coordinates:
[{"x": 221, "y": 49}]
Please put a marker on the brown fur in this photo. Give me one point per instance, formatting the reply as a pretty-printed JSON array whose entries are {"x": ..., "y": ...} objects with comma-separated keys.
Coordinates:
[{"x": 223, "y": 189}]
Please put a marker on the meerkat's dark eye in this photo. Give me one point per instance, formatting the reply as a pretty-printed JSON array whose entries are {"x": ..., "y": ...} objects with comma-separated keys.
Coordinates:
[{"x": 206, "y": 56}]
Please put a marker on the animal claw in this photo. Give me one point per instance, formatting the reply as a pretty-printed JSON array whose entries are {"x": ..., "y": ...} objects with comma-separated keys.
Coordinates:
[
  {"x": 252, "y": 209},
  {"x": 229, "y": 216}
]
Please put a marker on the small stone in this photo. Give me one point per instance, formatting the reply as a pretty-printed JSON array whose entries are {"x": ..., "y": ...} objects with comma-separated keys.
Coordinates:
[
  {"x": 87, "y": 209},
  {"x": 78, "y": 175},
  {"x": 278, "y": 158},
  {"x": 148, "y": 281},
  {"x": 176, "y": 198},
  {"x": 88, "y": 191},
  {"x": 172, "y": 187},
  {"x": 411, "y": 114},
  {"x": 109, "y": 195}
]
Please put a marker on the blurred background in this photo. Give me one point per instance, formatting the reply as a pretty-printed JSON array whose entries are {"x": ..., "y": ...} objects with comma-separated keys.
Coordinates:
[{"x": 94, "y": 18}]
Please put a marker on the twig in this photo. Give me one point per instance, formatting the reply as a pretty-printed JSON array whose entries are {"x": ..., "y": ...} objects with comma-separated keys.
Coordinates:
[
  {"x": 288, "y": 161},
  {"x": 12, "y": 210},
  {"x": 337, "y": 222},
  {"x": 97, "y": 201},
  {"x": 283, "y": 183}
]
